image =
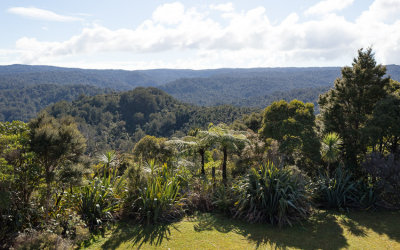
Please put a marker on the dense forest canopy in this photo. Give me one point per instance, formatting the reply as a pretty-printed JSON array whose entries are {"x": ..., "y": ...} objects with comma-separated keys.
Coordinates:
[
  {"x": 23, "y": 102},
  {"x": 116, "y": 120},
  {"x": 25, "y": 90}
]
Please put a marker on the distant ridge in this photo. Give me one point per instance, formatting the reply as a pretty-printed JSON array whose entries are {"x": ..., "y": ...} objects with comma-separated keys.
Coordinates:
[{"x": 23, "y": 90}]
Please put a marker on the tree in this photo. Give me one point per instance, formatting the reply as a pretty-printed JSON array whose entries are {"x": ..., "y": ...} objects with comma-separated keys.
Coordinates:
[
  {"x": 330, "y": 150},
  {"x": 292, "y": 125},
  {"x": 56, "y": 143},
  {"x": 383, "y": 128},
  {"x": 197, "y": 143},
  {"x": 346, "y": 108},
  {"x": 227, "y": 139},
  {"x": 19, "y": 177},
  {"x": 152, "y": 148}
]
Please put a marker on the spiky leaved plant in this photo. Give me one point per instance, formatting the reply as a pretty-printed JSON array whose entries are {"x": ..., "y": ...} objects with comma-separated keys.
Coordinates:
[{"x": 272, "y": 194}]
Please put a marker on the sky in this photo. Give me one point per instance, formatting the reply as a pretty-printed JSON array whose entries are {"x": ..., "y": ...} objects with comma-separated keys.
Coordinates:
[{"x": 197, "y": 34}]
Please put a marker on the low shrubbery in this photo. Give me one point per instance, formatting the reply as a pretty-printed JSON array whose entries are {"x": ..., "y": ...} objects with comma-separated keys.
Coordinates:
[
  {"x": 343, "y": 191},
  {"x": 199, "y": 196},
  {"x": 97, "y": 201},
  {"x": 337, "y": 191},
  {"x": 272, "y": 194},
  {"x": 160, "y": 199},
  {"x": 385, "y": 176}
]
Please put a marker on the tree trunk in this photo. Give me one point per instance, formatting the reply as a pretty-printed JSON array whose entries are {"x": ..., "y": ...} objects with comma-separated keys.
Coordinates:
[
  {"x": 213, "y": 176},
  {"x": 203, "y": 171},
  {"x": 48, "y": 195},
  {"x": 328, "y": 170},
  {"x": 224, "y": 179}
]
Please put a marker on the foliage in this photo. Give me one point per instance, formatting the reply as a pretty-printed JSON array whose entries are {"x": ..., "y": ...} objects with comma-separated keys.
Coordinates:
[
  {"x": 292, "y": 124},
  {"x": 272, "y": 194},
  {"x": 254, "y": 153},
  {"x": 41, "y": 240},
  {"x": 160, "y": 199},
  {"x": 56, "y": 143},
  {"x": 99, "y": 199},
  {"x": 223, "y": 198},
  {"x": 339, "y": 191},
  {"x": 330, "y": 148},
  {"x": 19, "y": 177},
  {"x": 383, "y": 129},
  {"x": 385, "y": 174},
  {"x": 150, "y": 148},
  {"x": 228, "y": 140},
  {"x": 114, "y": 120},
  {"x": 347, "y": 107},
  {"x": 24, "y": 101},
  {"x": 199, "y": 196}
]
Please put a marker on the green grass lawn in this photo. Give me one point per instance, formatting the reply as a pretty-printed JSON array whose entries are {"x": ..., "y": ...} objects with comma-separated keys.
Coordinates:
[{"x": 324, "y": 230}]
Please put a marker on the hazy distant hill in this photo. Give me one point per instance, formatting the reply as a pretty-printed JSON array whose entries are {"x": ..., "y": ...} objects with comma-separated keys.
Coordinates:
[
  {"x": 24, "y": 89},
  {"x": 259, "y": 87}
]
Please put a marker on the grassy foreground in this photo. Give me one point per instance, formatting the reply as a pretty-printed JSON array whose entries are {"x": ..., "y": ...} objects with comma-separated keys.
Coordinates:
[{"x": 325, "y": 230}]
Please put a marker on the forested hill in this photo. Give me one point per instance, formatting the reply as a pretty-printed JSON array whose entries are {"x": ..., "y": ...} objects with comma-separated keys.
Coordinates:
[
  {"x": 176, "y": 79},
  {"x": 24, "y": 102},
  {"x": 259, "y": 87},
  {"x": 114, "y": 79},
  {"x": 25, "y": 90},
  {"x": 116, "y": 120}
]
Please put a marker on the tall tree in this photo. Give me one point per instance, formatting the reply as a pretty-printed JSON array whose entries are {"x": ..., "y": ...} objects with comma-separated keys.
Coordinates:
[
  {"x": 55, "y": 143},
  {"x": 383, "y": 128},
  {"x": 195, "y": 141},
  {"x": 292, "y": 125},
  {"x": 227, "y": 139},
  {"x": 346, "y": 108}
]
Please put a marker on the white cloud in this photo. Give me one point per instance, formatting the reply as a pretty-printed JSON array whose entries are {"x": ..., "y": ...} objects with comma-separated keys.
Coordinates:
[
  {"x": 242, "y": 39},
  {"x": 41, "y": 14},
  {"x": 381, "y": 10},
  {"x": 328, "y": 6},
  {"x": 170, "y": 13},
  {"x": 226, "y": 7}
]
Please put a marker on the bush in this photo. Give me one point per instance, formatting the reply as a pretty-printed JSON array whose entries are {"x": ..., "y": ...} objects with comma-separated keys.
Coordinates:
[
  {"x": 271, "y": 194},
  {"x": 160, "y": 199},
  {"x": 339, "y": 191},
  {"x": 223, "y": 198},
  {"x": 97, "y": 201},
  {"x": 199, "y": 197},
  {"x": 41, "y": 240},
  {"x": 385, "y": 176}
]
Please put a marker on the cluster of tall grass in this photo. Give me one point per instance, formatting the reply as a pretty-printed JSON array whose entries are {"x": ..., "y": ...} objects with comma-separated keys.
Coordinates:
[
  {"x": 272, "y": 194},
  {"x": 160, "y": 199}
]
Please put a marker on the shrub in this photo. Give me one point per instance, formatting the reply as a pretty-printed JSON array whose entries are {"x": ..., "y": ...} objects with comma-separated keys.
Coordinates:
[
  {"x": 271, "y": 194},
  {"x": 385, "y": 175},
  {"x": 339, "y": 191},
  {"x": 97, "y": 201},
  {"x": 223, "y": 198},
  {"x": 41, "y": 240},
  {"x": 160, "y": 199},
  {"x": 199, "y": 197}
]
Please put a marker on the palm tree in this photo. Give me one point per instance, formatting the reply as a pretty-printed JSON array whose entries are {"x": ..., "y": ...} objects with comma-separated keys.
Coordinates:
[
  {"x": 110, "y": 161},
  {"x": 196, "y": 142},
  {"x": 227, "y": 139},
  {"x": 330, "y": 150}
]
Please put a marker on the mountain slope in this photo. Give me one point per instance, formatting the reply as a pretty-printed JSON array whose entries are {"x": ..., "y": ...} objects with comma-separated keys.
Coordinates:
[
  {"x": 25, "y": 90},
  {"x": 116, "y": 120},
  {"x": 256, "y": 87},
  {"x": 24, "y": 102}
]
